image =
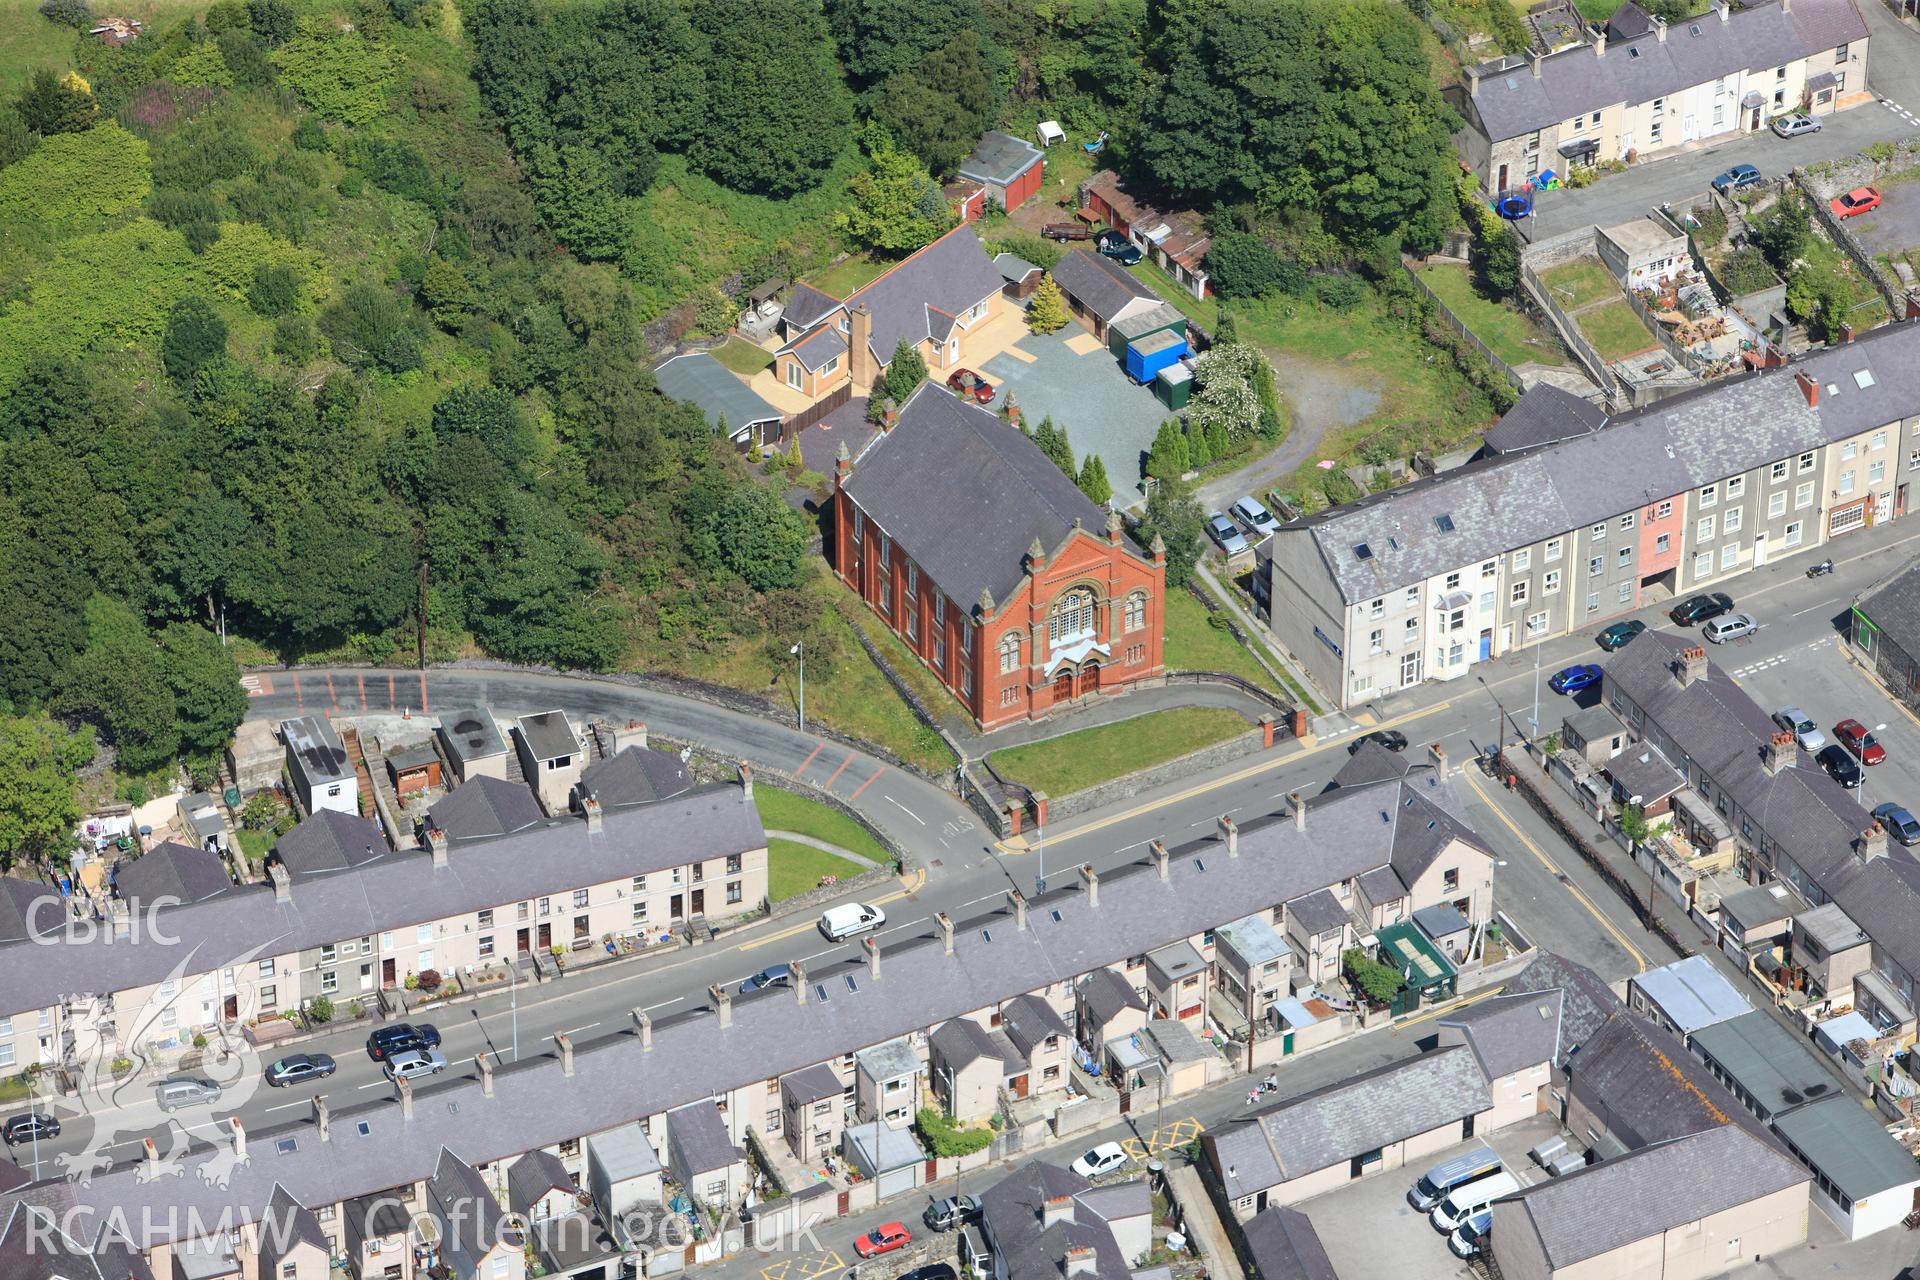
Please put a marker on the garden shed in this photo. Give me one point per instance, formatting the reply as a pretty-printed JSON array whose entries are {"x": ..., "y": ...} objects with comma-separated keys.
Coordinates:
[
  {"x": 1130, "y": 329},
  {"x": 1146, "y": 357},
  {"x": 1173, "y": 385}
]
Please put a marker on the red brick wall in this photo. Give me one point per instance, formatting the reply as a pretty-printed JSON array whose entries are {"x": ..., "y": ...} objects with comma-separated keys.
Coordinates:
[{"x": 1112, "y": 569}]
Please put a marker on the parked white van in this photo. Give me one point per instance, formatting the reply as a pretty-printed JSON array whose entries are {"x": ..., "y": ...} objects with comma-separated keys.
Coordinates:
[
  {"x": 1436, "y": 1182},
  {"x": 1465, "y": 1201},
  {"x": 851, "y": 920}
]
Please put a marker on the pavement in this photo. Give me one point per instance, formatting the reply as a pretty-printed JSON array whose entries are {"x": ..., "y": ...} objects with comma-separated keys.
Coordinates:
[{"x": 1893, "y": 73}]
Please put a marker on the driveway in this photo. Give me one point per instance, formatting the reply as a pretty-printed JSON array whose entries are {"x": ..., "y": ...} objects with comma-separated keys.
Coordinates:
[
  {"x": 1321, "y": 396},
  {"x": 1089, "y": 396},
  {"x": 1894, "y": 227}
]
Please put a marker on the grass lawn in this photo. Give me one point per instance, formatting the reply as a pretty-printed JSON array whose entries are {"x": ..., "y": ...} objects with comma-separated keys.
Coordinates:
[
  {"x": 1205, "y": 314},
  {"x": 903, "y": 660},
  {"x": 1075, "y": 761},
  {"x": 254, "y": 843},
  {"x": 1510, "y": 334},
  {"x": 789, "y": 811},
  {"x": 842, "y": 278},
  {"x": 742, "y": 357},
  {"x": 1575, "y": 284},
  {"x": 15, "y": 1088},
  {"x": 1615, "y": 330},
  {"x": 792, "y": 869},
  {"x": 1193, "y": 645}
]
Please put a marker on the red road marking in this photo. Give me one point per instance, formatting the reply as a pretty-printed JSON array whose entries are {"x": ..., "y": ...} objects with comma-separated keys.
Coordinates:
[
  {"x": 817, "y": 749},
  {"x": 298, "y": 701},
  {"x": 423, "y": 692},
  {"x": 389, "y": 690},
  {"x": 869, "y": 782},
  {"x": 362, "y": 678},
  {"x": 828, "y": 784},
  {"x": 333, "y": 702}
]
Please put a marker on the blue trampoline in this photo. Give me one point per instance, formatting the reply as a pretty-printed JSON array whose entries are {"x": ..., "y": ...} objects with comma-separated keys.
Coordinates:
[{"x": 1513, "y": 207}]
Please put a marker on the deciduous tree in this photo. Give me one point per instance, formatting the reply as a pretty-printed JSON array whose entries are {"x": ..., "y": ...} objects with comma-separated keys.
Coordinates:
[
  {"x": 939, "y": 108},
  {"x": 39, "y": 762},
  {"x": 777, "y": 110},
  {"x": 896, "y": 206},
  {"x": 195, "y": 337}
]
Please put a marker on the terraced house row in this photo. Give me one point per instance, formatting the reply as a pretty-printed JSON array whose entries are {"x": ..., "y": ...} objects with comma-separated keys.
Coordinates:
[
  {"x": 414, "y": 1183},
  {"x": 1568, "y": 518}
]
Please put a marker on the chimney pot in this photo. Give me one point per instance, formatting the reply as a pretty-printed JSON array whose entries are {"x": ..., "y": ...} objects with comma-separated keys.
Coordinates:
[
  {"x": 321, "y": 1116},
  {"x": 1600, "y": 45},
  {"x": 644, "y": 1021},
  {"x": 1299, "y": 810},
  {"x": 1162, "y": 860},
  {"x": 437, "y": 846},
  {"x": 1778, "y": 753},
  {"x": 596, "y": 817},
  {"x": 871, "y": 945},
  {"x": 485, "y": 1064},
  {"x": 1018, "y": 901},
  {"x": 1091, "y": 879},
  {"x": 1230, "y": 832},
  {"x": 798, "y": 973},
  {"x": 1692, "y": 665},
  {"x": 152, "y": 1152},
  {"x": 1437, "y": 755},
  {"x": 1660, "y": 25},
  {"x": 1872, "y": 843},
  {"x": 945, "y": 922},
  {"x": 722, "y": 1004},
  {"x": 1056, "y": 1209},
  {"x": 564, "y": 1043}
]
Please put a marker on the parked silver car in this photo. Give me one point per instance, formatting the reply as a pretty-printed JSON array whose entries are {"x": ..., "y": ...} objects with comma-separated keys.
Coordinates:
[
  {"x": 176, "y": 1092},
  {"x": 415, "y": 1063},
  {"x": 1801, "y": 726},
  {"x": 1226, "y": 534},
  {"x": 1794, "y": 125},
  {"x": 1259, "y": 520},
  {"x": 1731, "y": 627}
]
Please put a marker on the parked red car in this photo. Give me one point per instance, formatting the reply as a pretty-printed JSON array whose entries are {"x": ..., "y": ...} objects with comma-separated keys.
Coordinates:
[
  {"x": 882, "y": 1240},
  {"x": 965, "y": 382},
  {"x": 1856, "y": 738},
  {"x": 1857, "y": 201}
]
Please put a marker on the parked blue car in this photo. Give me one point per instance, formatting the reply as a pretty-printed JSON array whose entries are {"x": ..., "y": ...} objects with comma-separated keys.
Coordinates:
[{"x": 1574, "y": 679}]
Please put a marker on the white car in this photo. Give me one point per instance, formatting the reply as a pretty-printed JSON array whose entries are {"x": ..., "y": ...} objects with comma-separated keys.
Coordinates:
[
  {"x": 1104, "y": 1158},
  {"x": 850, "y": 921},
  {"x": 1801, "y": 726},
  {"x": 1250, "y": 513},
  {"x": 415, "y": 1063}
]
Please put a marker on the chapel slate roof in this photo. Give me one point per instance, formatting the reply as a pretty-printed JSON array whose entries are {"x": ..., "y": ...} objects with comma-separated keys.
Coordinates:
[
  {"x": 964, "y": 495},
  {"x": 182, "y": 872},
  {"x": 483, "y": 807},
  {"x": 1282, "y": 1245},
  {"x": 1669, "y": 1184},
  {"x": 1512, "y": 101},
  {"x": 1099, "y": 284}
]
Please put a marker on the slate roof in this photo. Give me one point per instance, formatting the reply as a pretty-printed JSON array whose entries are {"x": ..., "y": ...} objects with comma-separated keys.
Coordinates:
[
  {"x": 34, "y": 1245},
  {"x": 1176, "y": 1042},
  {"x": 961, "y": 1042},
  {"x": 1595, "y": 1210},
  {"x": 327, "y": 841},
  {"x": 1586, "y": 1001},
  {"x": 1850, "y": 1146},
  {"x": 1317, "y": 912},
  {"x": 1692, "y": 993},
  {"x": 1441, "y": 921},
  {"x": 615, "y": 1082},
  {"x": 808, "y": 306},
  {"x": 638, "y": 775},
  {"x": 697, "y": 1140},
  {"x": 1893, "y": 606},
  {"x": 1644, "y": 1086},
  {"x": 1643, "y": 775},
  {"x": 1830, "y": 928},
  {"x": 393, "y": 892},
  {"x": 1106, "y": 993},
  {"x": 999, "y": 158},
  {"x": 817, "y": 346},
  {"x": 174, "y": 870},
  {"x": 548, "y": 735},
  {"x": 1497, "y": 504},
  {"x": 1335, "y": 1123},
  {"x": 1161, "y": 315},
  {"x": 700, "y": 380},
  {"x": 1100, "y": 285},
  {"x": 1282, "y": 1245},
  {"x": 1254, "y": 939},
  {"x": 18, "y": 918},
  {"x": 1371, "y": 763},
  {"x": 1028, "y": 1021},
  {"x": 812, "y": 1084},
  {"x": 287, "y": 1225},
  {"x": 468, "y": 1215},
  {"x": 1574, "y": 81},
  {"x": 1175, "y": 961},
  {"x": 532, "y": 1176},
  {"x": 483, "y": 807},
  {"x": 1012, "y": 267},
  {"x": 1011, "y": 1212},
  {"x": 918, "y": 297},
  {"x": 1510, "y": 1033},
  {"x": 1774, "y": 1067},
  {"x": 964, "y": 495},
  {"x": 1811, "y": 819}
]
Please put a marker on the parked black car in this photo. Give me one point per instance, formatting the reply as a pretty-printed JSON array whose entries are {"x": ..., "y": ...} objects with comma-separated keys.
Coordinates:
[
  {"x": 1701, "y": 608},
  {"x": 1840, "y": 766},
  {"x": 1119, "y": 248},
  {"x": 399, "y": 1038},
  {"x": 1391, "y": 739},
  {"x": 29, "y": 1127}
]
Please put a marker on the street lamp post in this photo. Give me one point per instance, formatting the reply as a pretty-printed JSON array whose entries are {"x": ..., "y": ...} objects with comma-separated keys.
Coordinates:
[
  {"x": 1534, "y": 723},
  {"x": 801, "y": 653},
  {"x": 1040, "y": 846},
  {"x": 513, "y": 985}
]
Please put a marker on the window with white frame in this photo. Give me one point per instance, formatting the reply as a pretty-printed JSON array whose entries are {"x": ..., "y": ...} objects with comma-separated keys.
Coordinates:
[
  {"x": 1135, "y": 613},
  {"x": 1599, "y": 531},
  {"x": 1803, "y": 495},
  {"x": 1010, "y": 652},
  {"x": 1517, "y": 594},
  {"x": 1624, "y": 555},
  {"x": 1846, "y": 480},
  {"x": 1377, "y": 608},
  {"x": 1662, "y": 511},
  {"x": 1553, "y": 549},
  {"x": 1413, "y": 596},
  {"x": 1792, "y": 536},
  {"x": 1523, "y": 560},
  {"x": 1549, "y": 584},
  {"x": 1729, "y": 556},
  {"x": 1876, "y": 471},
  {"x": 1806, "y": 462},
  {"x": 1777, "y": 503},
  {"x": 1736, "y": 487},
  {"x": 1779, "y": 470},
  {"x": 1377, "y": 641},
  {"x": 1663, "y": 544},
  {"x": 1072, "y": 617},
  {"x": 1627, "y": 520},
  {"x": 1409, "y": 669},
  {"x": 1730, "y": 522},
  {"x": 1626, "y": 592},
  {"x": 1413, "y": 628},
  {"x": 1536, "y": 623},
  {"x": 1703, "y": 565},
  {"x": 1878, "y": 440},
  {"x": 1596, "y": 565},
  {"x": 1708, "y": 496},
  {"x": 1593, "y": 601},
  {"x": 1703, "y": 529},
  {"x": 1849, "y": 451},
  {"x": 1490, "y": 568}
]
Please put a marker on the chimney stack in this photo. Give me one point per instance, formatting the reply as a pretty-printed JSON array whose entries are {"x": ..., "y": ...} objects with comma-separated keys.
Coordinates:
[
  {"x": 1692, "y": 665},
  {"x": 871, "y": 945},
  {"x": 153, "y": 1156},
  {"x": 1846, "y": 332},
  {"x": 1091, "y": 879},
  {"x": 1809, "y": 387},
  {"x": 1871, "y": 844},
  {"x": 121, "y": 913},
  {"x": 842, "y": 462},
  {"x": 1600, "y": 45},
  {"x": 1113, "y": 528},
  {"x": 1082, "y": 1260},
  {"x": 1299, "y": 810},
  {"x": 746, "y": 783},
  {"x": 945, "y": 922},
  {"x": 1778, "y": 753},
  {"x": 404, "y": 1088},
  {"x": 1018, "y": 901},
  {"x": 282, "y": 882},
  {"x": 564, "y": 1043},
  {"x": 1056, "y": 1209},
  {"x": 1230, "y": 832},
  {"x": 239, "y": 1139},
  {"x": 321, "y": 1115},
  {"x": 1473, "y": 80},
  {"x": 798, "y": 972},
  {"x": 596, "y": 818},
  {"x": 1538, "y": 60},
  {"x": 485, "y": 1064},
  {"x": 1660, "y": 25},
  {"x": 861, "y": 362},
  {"x": 722, "y": 1004},
  {"x": 644, "y": 1021},
  {"x": 1162, "y": 860},
  {"x": 437, "y": 846}
]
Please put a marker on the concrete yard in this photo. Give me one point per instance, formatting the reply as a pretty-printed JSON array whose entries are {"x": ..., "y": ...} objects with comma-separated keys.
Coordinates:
[{"x": 1074, "y": 380}]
